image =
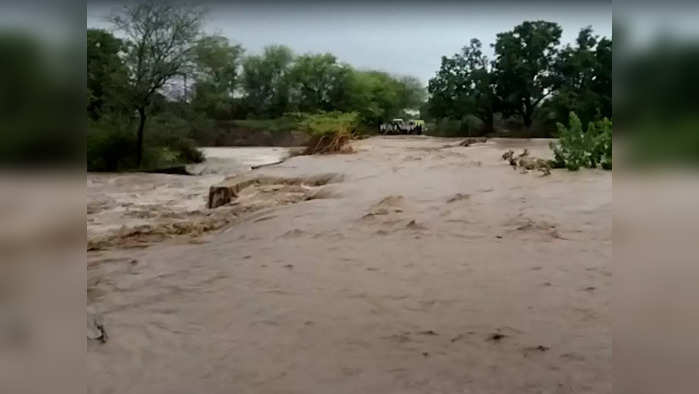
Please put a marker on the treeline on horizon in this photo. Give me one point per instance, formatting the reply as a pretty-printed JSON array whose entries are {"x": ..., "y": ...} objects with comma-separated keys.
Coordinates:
[
  {"x": 159, "y": 86},
  {"x": 532, "y": 83}
]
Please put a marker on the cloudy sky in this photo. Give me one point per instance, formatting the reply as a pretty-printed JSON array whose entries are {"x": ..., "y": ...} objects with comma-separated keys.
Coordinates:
[{"x": 398, "y": 37}]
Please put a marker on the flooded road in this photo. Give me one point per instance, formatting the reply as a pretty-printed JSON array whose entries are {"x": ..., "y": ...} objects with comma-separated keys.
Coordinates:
[{"x": 427, "y": 268}]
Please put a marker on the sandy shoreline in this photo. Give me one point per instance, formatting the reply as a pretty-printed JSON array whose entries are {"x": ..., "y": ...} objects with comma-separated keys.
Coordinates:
[{"x": 428, "y": 269}]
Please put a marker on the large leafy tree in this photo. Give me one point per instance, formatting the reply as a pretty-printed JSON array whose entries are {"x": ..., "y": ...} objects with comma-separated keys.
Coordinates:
[
  {"x": 583, "y": 79},
  {"x": 160, "y": 36},
  {"x": 217, "y": 64},
  {"x": 446, "y": 89},
  {"x": 524, "y": 67},
  {"x": 375, "y": 95},
  {"x": 318, "y": 82},
  {"x": 465, "y": 85},
  {"x": 265, "y": 81},
  {"x": 106, "y": 73}
]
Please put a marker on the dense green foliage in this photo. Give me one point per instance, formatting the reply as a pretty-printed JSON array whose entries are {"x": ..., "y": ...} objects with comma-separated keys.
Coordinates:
[
  {"x": 112, "y": 141},
  {"x": 464, "y": 89},
  {"x": 266, "y": 82},
  {"x": 318, "y": 83},
  {"x": 578, "y": 148},
  {"x": 216, "y": 71},
  {"x": 524, "y": 67},
  {"x": 530, "y": 80},
  {"x": 106, "y": 74},
  {"x": 583, "y": 79},
  {"x": 278, "y": 82},
  {"x": 159, "y": 40}
]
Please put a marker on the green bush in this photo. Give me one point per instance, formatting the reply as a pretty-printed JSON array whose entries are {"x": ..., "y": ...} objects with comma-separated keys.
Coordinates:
[
  {"x": 602, "y": 153},
  {"x": 111, "y": 145},
  {"x": 109, "y": 148},
  {"x": 172, "y": 132},
  {"x": 576, "y": 148},
  {"x": 331, "y": 122}
]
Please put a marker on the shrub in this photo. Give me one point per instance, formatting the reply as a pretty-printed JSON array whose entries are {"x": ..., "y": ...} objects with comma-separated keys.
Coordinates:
[
  {"x": 111, "y": 144},
  {"x": 601, "y": 132},
  {"x": 576, "y": 148},
  {"x": 173, "y": 134},
  {"x": 330, "y": 132},
  {"x": 331, "y": 123},
  {"x": 109, "y": 148}
]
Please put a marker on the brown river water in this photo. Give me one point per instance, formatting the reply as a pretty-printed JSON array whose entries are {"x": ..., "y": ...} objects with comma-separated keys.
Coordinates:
[{"x": 423, "y": 267}]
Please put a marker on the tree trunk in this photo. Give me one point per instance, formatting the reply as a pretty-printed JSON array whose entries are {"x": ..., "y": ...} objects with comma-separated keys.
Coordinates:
[
  {"x": 527, "y": 118},
  {"x": 527, "y": 113},
  {"x": 141, "y": 125},
  {"x": 488, "y": 123}
]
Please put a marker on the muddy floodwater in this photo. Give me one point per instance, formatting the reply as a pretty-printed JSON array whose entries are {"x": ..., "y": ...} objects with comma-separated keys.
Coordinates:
[{"x": 416, "y": 266}]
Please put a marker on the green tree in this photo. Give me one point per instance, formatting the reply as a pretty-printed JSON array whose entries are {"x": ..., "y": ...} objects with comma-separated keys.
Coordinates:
[
  {"x": 375, "y": 95},
  {"x": 106, "y": 73},
  {"x": 447, "y": 89},
  {"x": 217, "y": 63},
  {"x": 524, "y": 67},
  {"x": 583, "y": 79},
  {"x": 318, "y": 82},
  {"x": 378, "y": 96},
  {"x": 265, "y": 81},
  {"x": 160, "y": 37},
  {"x": 465, "y": 85}
]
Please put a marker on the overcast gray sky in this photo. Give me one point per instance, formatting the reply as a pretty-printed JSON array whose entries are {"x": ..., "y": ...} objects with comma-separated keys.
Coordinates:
[{"x": 398, "y": 37}]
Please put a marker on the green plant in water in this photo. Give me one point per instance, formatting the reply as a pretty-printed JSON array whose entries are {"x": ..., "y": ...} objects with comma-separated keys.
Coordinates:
[{"x": 576, "y": 148}]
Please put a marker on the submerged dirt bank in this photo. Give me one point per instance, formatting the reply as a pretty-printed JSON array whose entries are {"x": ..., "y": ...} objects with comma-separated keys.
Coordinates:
[{"x": 429, "y": 268}]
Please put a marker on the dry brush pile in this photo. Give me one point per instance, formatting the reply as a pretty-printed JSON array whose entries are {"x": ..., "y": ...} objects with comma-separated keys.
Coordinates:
[{"x": 527, "y": 163}]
